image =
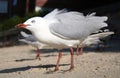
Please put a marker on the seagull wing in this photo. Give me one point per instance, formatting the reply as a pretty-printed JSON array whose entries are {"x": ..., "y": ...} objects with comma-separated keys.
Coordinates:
[{"x": 74, "y": 25}]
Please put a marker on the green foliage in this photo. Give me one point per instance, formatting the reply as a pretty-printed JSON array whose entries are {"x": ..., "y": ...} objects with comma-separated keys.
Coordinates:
[{"x": 11, "y": 22}]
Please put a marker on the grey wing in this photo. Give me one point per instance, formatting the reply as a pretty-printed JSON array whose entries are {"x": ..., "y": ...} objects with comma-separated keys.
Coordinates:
[
  {"x": 68, "y": 31},
  {"x": 74, "y": 25}
]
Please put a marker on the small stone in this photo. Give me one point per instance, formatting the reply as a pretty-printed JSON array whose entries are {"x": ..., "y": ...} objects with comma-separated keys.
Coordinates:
[
  {"x": 105, "y": 76},
  {"x": 97, "y": 68},
  {"x": 19, "y": 72}
]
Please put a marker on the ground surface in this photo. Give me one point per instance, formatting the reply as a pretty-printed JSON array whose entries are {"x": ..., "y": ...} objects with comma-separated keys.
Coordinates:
[{"x": 20, "y": 62}]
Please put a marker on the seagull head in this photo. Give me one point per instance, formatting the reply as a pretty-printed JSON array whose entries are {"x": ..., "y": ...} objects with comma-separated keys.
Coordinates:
[{"x": 32, "y": 23}]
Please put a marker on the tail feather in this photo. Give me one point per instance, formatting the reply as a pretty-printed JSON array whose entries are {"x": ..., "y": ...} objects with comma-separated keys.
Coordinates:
[
  {"x": 95, "y": 38},
  {"x": 99, "y": 22},
  {"x": 104, "y": 18},
  {"x": 100, "y": 35}
]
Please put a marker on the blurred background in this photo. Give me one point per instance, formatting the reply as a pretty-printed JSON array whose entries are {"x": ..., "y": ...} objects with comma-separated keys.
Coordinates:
[{"x": 13, "y": 12}]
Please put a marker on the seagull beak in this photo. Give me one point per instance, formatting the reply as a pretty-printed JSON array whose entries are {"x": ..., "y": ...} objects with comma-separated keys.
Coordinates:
[{"x": 21, "y": 25}]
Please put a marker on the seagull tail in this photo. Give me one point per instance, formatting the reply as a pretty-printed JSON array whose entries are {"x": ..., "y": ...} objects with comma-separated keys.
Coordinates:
[{"x": 101, "y": 35}]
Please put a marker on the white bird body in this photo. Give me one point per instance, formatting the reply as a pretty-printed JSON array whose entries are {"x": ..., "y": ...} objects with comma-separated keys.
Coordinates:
[{"x": 31, "y": 40}]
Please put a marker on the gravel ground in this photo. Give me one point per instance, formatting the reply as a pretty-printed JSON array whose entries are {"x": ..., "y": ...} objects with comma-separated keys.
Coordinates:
[{"x": 20, "y": 62}]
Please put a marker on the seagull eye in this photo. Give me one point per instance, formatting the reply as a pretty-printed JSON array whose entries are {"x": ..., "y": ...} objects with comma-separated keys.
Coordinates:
[{"x": 33, "y": 21}]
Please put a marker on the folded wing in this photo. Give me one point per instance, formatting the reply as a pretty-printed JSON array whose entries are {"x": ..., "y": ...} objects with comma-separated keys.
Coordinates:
[{"x": 74, "y": 25}]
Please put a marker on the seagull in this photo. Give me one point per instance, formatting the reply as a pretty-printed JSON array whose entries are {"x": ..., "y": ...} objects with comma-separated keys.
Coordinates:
[
  {"x": 63, "y": 29},
  {"x": 31, "y": 40}
]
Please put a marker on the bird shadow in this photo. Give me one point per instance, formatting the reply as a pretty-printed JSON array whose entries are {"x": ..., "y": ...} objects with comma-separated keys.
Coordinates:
[
  {"x": 11, "y": 70},
  {"x": 50, "y": 50},
  {"x": 28, "y": 59}
]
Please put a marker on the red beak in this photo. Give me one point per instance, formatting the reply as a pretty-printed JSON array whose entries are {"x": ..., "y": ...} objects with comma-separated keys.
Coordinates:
[{"x": 21, "y": 25}]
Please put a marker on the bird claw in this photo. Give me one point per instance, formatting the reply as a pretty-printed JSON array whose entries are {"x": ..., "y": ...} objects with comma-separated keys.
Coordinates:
[
  {"x": 56, "y": 69},
  {"x": 52, "y": 71},
  {"x": 81, "y": 53},
  {"x": 69, "y": 70}
]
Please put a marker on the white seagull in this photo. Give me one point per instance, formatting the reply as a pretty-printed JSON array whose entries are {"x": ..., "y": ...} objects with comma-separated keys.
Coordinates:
[
  {"x": 31, "y": 40},
  {"x": 61, "y": 29}
]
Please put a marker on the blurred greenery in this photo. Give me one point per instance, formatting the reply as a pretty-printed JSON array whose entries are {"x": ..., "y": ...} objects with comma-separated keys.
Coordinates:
[{"x": 11, "y": 22}]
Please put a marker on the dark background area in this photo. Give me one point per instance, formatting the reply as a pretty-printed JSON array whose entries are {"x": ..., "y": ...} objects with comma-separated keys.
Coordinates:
[{"x": 110, "y": 8}]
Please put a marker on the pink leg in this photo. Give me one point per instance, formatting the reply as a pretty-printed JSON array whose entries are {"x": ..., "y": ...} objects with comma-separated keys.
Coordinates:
[
  {"x": 81, "y": 50},
  {"x": 72, "y": 59},
  {"x": 38, "y": 54},
  {"x": 58, "y": 61}
]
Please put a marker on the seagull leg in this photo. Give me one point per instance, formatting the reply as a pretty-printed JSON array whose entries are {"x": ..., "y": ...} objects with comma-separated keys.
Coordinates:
[
  {"x": 38, "y": 54},
  {"x": 81, "y": 50},
  {"x": 72, "y": 59},
  {"x": 58, "y": 61},
  {"x": 77, "y": 49}
]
